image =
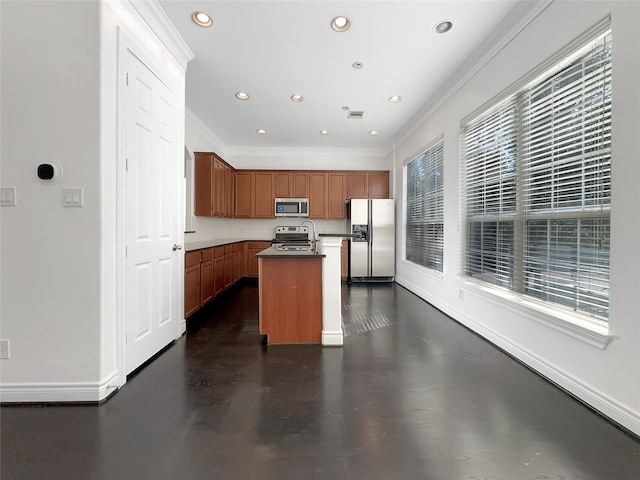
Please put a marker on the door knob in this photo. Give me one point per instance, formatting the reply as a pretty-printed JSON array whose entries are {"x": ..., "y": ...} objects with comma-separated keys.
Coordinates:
[{"x": 176, "y": 247}]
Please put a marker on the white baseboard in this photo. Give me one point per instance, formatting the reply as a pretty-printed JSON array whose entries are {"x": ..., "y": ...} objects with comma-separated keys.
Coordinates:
[
  {"x": 58, "y": 392},
  {"x": 596, "y": 399},
  {"x": 332, "y": 338}
]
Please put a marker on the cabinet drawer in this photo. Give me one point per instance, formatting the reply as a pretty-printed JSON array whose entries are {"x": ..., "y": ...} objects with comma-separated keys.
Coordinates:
[
  {"x": 207, "y": 254},
  {"x": 262, "y": 245},
  {"x": 228, "y": 249},
  {"x": 218, "y": 252},
  {"x": 192, "y": 258}
]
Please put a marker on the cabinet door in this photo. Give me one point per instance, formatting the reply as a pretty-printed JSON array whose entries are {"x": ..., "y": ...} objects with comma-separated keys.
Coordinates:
[
  {"x": 228, "y": 270},
  {"x": 344, "y": 259},
  {"x": 228, "y": 191},
  {"x": 282, "y": 185},
  {"x": 264, "y": 194},
  {"x": 300, "y": 184},
  {"x": 203, "y": 188},
  {"x": 378, "y": 183},
  {"x": 252, "y": 260},
  {"x": 245, "y": 194},
  {"x": 318, "y": 195},
  {"x": 191, "y": 283},
  {"x": 218, "y": 270},
  {"x": 336, "y": 195},
  {"x": 357, "y": 185},
  {"x": 218, "y": 180},
  {"x": 206, "y": 282}
]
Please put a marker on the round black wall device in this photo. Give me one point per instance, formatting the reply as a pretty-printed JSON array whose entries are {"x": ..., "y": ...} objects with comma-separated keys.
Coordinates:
[{"x": 46, "y": 171}]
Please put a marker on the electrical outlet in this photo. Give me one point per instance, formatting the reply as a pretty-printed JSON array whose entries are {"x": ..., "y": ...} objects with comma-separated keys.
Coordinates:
[
  {"x": 461, "y": 294},
  {"x": 4, "y": 349}
]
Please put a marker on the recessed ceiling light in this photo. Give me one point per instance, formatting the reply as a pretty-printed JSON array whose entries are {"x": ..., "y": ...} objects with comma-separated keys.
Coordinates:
[
  {"x": 443, "y": 27},
  {"x": 324, "y": 132},
  {"x": 340, "y": 24},
  {"x": 201, "y": 19},
  {"x": 357, "y": 65},
  {"x": 242, "y": 96},
  {"x": 345, "y": 108},
  {"x": 261, "y": 131},
  {"x": 297, "y": 98},
  {"x": 373, "y": 133},
  {"x": 395, "y": 99}
]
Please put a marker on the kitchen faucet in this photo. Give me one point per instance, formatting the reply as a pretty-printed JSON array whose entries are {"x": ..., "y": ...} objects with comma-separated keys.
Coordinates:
[{"x": 313, "y": 238}]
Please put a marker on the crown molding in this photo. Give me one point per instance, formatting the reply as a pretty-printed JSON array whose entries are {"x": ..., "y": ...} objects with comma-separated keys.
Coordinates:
[
  {"x": 515, "y": 22},
  {"x": 304, "y": 151},
  {"x": 201, "y": 128},
  {"x": 153, "y": 14}
]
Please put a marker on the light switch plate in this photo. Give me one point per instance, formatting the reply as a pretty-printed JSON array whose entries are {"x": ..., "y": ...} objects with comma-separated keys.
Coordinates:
[
  {"x": 72, "y": 197},
  {"x": 8, "y": 196},
  {"x": 4, "y": 350}
]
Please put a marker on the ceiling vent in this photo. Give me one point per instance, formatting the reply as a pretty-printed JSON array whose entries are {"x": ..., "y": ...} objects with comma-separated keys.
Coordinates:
[{"x": 354, "y": 114}]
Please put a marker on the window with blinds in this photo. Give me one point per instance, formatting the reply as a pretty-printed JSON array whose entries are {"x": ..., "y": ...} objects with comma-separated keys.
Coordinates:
[
  {"x": 425, "y": 209},
  {"x": 538, "y": 185}
]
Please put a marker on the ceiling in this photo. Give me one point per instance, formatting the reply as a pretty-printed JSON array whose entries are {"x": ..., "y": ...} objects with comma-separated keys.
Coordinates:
[{"x": 274, "y": 49}]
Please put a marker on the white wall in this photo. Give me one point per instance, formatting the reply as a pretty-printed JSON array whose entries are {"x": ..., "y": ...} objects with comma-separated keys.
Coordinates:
[
  {"x": 58, "y": 273},
  {"x": 604, "y": 377},
  {"x": 50, "y": 269}
]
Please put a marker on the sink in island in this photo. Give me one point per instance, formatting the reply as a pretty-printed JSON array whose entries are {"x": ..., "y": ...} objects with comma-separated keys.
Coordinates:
[{"x": 299, "y": 294}]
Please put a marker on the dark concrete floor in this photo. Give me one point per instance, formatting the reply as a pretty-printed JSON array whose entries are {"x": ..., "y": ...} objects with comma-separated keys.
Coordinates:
[{"x": 412, "y": 395}]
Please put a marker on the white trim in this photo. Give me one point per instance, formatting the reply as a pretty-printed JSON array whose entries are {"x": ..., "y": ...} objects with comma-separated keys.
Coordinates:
[
  {"x": 201, "y": 128},
  {"x": 305, "y": 151},
  {"x": 515, "y": 22},
  {"x": 58, "y": 392},
  {"x": 332, "y": 338},
  {"x": 581, "y": 327},
  {"x": 156, "y": 18},
  {"x": 597, "y": 399}
]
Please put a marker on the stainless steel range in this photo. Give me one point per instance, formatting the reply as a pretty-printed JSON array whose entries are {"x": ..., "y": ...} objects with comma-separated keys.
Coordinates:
[{"x": 292, "y": 238}]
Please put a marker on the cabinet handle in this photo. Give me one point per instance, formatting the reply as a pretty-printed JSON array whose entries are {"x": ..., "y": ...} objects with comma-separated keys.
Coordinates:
[{"x": 176, "y": 247}]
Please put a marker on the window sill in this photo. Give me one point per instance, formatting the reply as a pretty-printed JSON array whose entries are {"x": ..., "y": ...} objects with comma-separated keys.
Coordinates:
[{"x": 581, "y": 327}]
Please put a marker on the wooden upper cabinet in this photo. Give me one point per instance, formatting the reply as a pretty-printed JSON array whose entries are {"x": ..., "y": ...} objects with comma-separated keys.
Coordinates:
[
  {"x": 300, "y": 184},
  {"x": 203, "y": 187},
  {"x": 245, "y": 194},
  {"x": 336, "y": 191},
  {"x": 318, "y": 195},
  {"x": 357, "y": 185},
  {"x": 264, "y": 194},
  {"x": 229, "y": 191},
  {"x": 214, "y": 192},
  {"x": 378, "y": 184},
  {"x": 283, "y": 185}
]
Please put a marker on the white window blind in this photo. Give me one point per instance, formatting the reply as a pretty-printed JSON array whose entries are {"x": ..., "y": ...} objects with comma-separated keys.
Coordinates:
[
  {"x": 538, "y": 185},
  {"x": 425, "y": 209}
]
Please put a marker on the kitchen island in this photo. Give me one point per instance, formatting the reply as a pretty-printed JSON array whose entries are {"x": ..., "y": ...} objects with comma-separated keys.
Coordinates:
[
  {"x": 290, "y": 295},
  {"x": 299, "y": 294}
]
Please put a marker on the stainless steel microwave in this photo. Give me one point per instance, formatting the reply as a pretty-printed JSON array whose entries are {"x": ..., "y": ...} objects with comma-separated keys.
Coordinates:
[{"x": 291, "y": 207}]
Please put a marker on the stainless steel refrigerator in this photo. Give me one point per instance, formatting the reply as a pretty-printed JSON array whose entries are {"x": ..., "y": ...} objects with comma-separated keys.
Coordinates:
[{"x": 372, "y": 247}]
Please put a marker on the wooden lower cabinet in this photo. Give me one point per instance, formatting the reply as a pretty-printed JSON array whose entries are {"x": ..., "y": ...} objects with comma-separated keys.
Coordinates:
[
  {"x": 191, "y": 283},
  {"x": 209, "y": 272},
  {"x": 252, "y": 261},
  {"x": 206, "y": 276},
  {"x": 344, "y": 259}
]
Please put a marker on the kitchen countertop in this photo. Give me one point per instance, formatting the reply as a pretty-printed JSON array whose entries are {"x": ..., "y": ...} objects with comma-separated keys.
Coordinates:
[
  {"x": 190, "y": 246},
  {"x": 272, "y": 252},
  {"x": 343, "y": 235}
]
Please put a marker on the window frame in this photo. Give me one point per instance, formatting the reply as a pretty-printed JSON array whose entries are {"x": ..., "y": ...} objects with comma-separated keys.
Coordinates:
[{"x": 596, "y": 325}]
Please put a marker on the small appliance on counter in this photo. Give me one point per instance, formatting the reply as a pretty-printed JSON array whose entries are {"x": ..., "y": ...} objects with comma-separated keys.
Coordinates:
[
  {"x": 372, "y": 246},
  {"x": 292, "y": 238}
]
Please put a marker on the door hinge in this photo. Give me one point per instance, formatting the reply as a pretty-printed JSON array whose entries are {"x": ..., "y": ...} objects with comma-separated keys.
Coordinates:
[
  {"x": 126, "y": 164},
  {"x": 127, "y": 79},
  {"x": 126, "y": 337},
  {"x": 126, "y": 251}
]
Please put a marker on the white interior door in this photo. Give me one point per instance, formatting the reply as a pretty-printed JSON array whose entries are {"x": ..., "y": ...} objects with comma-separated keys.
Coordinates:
[{"x": 151, "y": 188}]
